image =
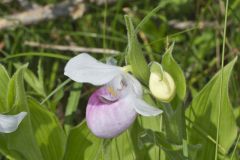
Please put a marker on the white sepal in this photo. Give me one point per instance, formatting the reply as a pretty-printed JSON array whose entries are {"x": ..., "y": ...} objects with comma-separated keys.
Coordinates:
[
  {"x": 135, "y": 85},
  {"x": 85, "y": 69},
  {"x": 145, "y": 109},
  {"x": 9, "y": 123}
]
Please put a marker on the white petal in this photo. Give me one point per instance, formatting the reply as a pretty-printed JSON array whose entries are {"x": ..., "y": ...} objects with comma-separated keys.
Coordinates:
[
  {"x": 135, "y": 85},
  {"x": 145, "y": 109},
  {"x": 9, "y": 123},
  {"x": 84, "y": 68}
]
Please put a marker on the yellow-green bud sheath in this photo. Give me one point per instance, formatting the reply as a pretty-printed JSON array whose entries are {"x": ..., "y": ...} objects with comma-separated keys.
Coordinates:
[
  {"x": 127, "y": 68},
  {"x": 161, "y": 84}
]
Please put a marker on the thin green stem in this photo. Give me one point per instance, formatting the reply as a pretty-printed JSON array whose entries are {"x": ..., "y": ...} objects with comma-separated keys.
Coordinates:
[
  {"x": 221, "y": 82},
  {"x": 171, "y": 35},
  {"x": 148, "y": 16},
  {"x": 205, "y": 135},
  {"x": 105, "y": 24},
  {"x": 161, "y": 152},
  {"x": 55, "y": 90},
  {"x": 50, "y": 55},
  {"x": 235, "y": 147}
]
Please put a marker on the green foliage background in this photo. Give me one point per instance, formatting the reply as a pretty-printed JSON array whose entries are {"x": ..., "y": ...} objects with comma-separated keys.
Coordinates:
[{"x": 55, "y": 128}]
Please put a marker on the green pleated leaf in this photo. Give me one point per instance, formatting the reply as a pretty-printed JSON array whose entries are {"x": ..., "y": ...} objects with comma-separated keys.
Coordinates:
[
  {"x": 21, "y": 144},
  {"x": 127, "y": 145},
  {"x": 171, "y": 66},
  {"x": 33, "y": 81},
  {"x": 154, "y": 123},
  {"x": 56, "y": 98},
  {"x": 135, "y": 55},
  {"x": 40, "y": 74},
  {"x": 82, "y": 144},
  {"x": 39, "y": 136},
  {"x": 203, "y": 116},
  {"x": 174, "y": 124},
  {"x": 173, "y": 151},
  {"x": 175, "y": 129},
  {"x": 4, "y": 80},
  {"x": 142, "y": 151},
  {"x": 48, "y": 132},
  {"x": 72, "y": 104},
  {"x": 119, "y": 148}
]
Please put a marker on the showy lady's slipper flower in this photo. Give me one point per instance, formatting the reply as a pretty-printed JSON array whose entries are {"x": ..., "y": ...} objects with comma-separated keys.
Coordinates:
[
  {"x": 112, "y": 108},
  {"x": 161, "y": 84},
  {"x": 9, "y": 123}
]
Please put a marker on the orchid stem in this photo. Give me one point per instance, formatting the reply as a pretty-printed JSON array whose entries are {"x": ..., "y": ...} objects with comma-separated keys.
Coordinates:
[{"x": 127, "y": 68}]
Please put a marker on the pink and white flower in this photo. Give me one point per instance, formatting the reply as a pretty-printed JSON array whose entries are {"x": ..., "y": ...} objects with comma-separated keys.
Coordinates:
[{"x": 113, "y": 107}]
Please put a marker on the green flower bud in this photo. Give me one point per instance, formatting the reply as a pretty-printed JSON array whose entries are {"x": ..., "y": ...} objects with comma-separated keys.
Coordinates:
[{"x": 161, "y": 83}]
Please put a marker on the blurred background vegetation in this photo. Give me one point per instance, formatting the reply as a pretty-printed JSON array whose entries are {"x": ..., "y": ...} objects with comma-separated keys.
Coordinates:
[{"x": 196, "y": 27}]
